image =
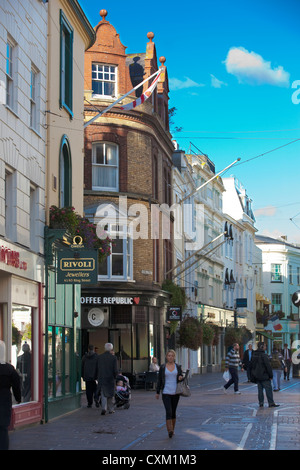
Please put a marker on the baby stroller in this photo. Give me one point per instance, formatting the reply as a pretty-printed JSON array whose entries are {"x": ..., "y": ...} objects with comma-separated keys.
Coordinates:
[{"x": 123, "y": 392}]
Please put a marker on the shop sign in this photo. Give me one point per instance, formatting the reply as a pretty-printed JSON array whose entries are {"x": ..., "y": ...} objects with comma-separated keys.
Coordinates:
[
  {"x": 12, "y": 258},
  {"x": 241, "y": 303},
  {"x": 174, "y": 314},
  {"x": 77, "y": 265},
  {"x": 110, "y": 300},
  {"x": 96, "y": 317}
]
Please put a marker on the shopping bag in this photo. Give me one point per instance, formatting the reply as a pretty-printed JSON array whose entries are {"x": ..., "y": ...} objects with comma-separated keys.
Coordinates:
[{"x": 226, "y": 376}]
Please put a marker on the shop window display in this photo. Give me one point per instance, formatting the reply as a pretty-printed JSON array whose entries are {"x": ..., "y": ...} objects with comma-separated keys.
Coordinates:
[{"x": 22, "y": 358}]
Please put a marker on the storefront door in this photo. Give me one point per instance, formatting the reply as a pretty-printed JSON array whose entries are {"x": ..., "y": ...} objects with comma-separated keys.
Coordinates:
[{"x": 121, "y": 339}]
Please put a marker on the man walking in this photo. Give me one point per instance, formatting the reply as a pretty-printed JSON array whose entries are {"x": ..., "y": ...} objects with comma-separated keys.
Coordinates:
[
  {"x": 232, "y": 363},
  {"x": 89, "y": 367},
  {"x": 262, "y": 374},
  {"x": 287, "y": 357},
  {"x": 246, "y": 361},
  {"x": 107, "y": 373}
]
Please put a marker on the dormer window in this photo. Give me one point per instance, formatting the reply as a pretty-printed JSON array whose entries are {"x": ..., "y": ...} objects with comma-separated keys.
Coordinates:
[{"x": 104, "y": 80}]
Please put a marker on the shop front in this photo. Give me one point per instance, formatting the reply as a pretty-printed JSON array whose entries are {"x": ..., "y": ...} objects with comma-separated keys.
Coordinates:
[
  {"x": 21, "y": 294},
  {"x": 134, "y": 322}
]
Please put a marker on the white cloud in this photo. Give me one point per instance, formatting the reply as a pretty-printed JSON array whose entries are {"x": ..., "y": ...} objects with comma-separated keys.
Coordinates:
[
  {"x": 251, "y": 68},
  {"x": 176, "y": 84},
  {"x": 215, "y": 82},
  {"x": 267, "y": 211}
]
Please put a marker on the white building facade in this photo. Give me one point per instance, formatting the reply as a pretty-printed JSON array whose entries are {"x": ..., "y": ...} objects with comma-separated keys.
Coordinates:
[
  {"x": 186, "y": 240},
  {"x": 280, "y": 279},
  {"x": 23, "y": 80},
  {"x": 239, "y": 281}
]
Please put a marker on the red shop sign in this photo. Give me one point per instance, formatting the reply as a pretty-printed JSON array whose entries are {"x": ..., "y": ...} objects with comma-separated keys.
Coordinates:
[{"x": 12, "y": 258}]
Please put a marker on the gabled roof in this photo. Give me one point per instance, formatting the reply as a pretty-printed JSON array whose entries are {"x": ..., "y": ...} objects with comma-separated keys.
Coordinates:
[{"x": 263, "y": 239}]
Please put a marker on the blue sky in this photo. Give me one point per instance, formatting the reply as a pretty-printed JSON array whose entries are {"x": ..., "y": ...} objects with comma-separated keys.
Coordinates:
[{"x": 231, "y": 67}]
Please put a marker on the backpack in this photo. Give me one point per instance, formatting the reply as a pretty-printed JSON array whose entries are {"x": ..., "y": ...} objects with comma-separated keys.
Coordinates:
[{"x": 275, "y": 361}]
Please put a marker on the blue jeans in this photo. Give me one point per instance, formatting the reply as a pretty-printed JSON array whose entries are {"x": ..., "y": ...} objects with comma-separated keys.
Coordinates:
[
  {"x": 234, "y": 379},
  {"x": 261, "y": 385},
  {"x": 276, "y": 379}
]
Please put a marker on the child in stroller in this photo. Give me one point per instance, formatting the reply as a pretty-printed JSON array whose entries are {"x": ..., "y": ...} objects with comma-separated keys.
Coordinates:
[{"x": 123, "y": 392}]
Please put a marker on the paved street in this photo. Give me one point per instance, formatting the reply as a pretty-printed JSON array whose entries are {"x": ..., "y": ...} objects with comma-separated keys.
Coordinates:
[{"x": 208, "y": 420}]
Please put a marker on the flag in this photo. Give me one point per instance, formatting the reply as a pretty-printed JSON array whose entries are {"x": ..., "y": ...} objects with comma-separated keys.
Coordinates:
[
  {"x": 276, "y": 323},
  {"x": 144, "y": 96}
]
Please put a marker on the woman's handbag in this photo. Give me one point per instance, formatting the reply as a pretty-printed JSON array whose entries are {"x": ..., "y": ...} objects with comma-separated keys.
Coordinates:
[{"x": 182, "y": 388}]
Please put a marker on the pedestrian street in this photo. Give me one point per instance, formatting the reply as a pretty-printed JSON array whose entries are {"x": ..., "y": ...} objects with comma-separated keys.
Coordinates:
[{"x": 208, "y": 420}]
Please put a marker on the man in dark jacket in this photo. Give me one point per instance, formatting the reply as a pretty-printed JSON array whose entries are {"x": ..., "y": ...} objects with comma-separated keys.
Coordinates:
[
  {"x": 287, "y": 357},
  {"x": 261, "y": 373},
  {"x": 107, "y": 373},
  {"x": 89, "y": 373},
  {"x": 9, "y": 378},
  {"x": 247, "y": 361}
]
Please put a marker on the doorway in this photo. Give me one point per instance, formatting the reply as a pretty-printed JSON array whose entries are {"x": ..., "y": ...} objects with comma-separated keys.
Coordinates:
[{"x": 121, "y": 340}]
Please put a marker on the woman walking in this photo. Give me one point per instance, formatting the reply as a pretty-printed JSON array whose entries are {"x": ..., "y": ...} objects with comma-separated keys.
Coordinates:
[
  {"x": 169, "y": 374},
  {"x": 9, "y": 378}
]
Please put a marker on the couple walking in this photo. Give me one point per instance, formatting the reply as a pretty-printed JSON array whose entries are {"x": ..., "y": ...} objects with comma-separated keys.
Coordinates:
[
  {"x": 103, "y": 369},
  {"x": 260, "y": 371}
]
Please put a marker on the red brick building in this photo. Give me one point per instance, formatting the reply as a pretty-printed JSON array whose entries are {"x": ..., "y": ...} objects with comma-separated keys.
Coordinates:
[{"x": 127, "y": 173}]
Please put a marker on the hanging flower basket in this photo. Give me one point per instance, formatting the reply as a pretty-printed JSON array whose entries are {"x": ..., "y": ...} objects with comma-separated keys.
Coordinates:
[
  {"x": 216, "y": 337},
  {"x": 190, "y": 333},
  {"x": 75, "y": 225},
  {"x": 207, "y": 334},
  {"x": 232, "y": 335}
]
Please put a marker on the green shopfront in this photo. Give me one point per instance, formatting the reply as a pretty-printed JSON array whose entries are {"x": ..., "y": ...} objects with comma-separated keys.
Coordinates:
[{"x": 62, "y": 391}]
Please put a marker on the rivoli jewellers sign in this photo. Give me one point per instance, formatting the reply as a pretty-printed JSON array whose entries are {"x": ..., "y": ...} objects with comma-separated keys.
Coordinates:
[{"x": 77, "y": 265}]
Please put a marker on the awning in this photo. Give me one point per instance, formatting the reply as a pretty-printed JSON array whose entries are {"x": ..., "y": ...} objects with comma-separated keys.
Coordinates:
[
  {"x": 266, "y": 335},
  {"x": 263, "y": 298}
]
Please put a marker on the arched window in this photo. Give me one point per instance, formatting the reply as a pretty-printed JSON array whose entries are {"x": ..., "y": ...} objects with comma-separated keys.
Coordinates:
[{"x": 65, "y": 173}]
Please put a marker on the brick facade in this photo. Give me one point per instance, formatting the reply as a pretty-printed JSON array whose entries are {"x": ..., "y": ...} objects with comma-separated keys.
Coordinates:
[{"x": 143, "y": 139}]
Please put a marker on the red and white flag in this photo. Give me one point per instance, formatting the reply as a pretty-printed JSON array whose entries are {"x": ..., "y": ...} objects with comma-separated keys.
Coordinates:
[{"x": 144, "y": 96}]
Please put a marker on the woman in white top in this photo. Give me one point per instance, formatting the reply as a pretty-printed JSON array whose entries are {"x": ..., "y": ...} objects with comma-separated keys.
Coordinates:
[{"x": 169, "y": 374}]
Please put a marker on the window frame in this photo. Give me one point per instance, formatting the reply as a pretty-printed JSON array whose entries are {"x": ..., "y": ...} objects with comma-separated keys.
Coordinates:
[
  {"x": 34, "y": 98},
  {"x": 275, "y": 274},
  {"x": 65, "y": 173},
  {"x": 276, "y": 296},
  {"x": 127, "y": 246},
  {"x": 10, "y": 72},
  {"x": 105, "y": 165},
  {"x": 66, "y": 65},
  {"x": 115, "y": 81}
]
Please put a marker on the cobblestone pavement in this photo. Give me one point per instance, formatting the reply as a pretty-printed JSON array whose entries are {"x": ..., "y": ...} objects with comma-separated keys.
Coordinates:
[{"x": 208, "y": 420}]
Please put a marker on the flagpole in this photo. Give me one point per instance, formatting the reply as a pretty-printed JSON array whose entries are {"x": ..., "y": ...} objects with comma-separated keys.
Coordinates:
[
  {"x": 195, "y": 253},
  {"x": 208, "y": 181},
  {"x": 120, "y": 99}
]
